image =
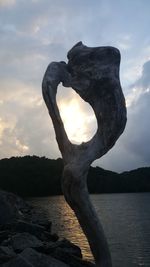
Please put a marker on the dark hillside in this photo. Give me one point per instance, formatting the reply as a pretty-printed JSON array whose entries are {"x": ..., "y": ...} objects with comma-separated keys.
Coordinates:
[{"x": 34, "y": 176}]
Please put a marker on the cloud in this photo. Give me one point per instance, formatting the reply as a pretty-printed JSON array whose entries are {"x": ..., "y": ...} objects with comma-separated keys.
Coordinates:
[
  {"x": 7, "y": 3},
  {"x": 139, "y": 113},
  {"x": 138, "y": 129},
  {"x": 144, "y": 81},
  {"x": 132, "y": 149},
  {"x": 124, "y": 42},
  {"x": 140, "y": 86},
  {"x": 34, "y": 33},
  {"x": 24, "y": 122},
  {"x": 77, "y": 115}
]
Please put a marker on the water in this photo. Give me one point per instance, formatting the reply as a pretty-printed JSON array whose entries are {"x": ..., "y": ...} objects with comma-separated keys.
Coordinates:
[{"x": 125, "y": 219}]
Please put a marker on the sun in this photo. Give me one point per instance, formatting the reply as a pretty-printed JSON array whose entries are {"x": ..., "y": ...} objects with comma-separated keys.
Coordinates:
[{"x": 78, "y": 117}]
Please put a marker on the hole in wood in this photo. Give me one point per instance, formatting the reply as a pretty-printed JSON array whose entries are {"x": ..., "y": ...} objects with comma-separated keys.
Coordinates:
[{"x": 77, "y": 115}]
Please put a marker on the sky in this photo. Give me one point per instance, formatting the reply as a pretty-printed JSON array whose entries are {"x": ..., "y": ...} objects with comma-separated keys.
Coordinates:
[{"x": 36, "y": 32}]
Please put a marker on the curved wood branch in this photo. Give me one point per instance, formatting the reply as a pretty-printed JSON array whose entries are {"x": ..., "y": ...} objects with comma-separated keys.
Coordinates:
[{"x": 94, "y": 74}]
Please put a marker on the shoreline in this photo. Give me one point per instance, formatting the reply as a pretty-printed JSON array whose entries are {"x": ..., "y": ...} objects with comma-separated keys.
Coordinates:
[{"x": 26, "y": 238}]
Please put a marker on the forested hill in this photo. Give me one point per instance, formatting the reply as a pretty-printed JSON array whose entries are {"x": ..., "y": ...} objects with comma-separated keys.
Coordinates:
[{"x": 34, "y": 176}]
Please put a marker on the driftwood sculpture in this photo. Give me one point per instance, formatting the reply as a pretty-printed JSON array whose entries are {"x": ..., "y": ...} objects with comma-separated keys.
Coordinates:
[{"x": 94, "y": 74}]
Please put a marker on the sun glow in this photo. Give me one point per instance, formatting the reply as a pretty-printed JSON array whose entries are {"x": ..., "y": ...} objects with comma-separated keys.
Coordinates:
[{"x": 78, "y": 117}]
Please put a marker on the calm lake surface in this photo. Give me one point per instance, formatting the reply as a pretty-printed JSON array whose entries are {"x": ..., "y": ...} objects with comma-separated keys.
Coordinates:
[{"x": 125, "y": 219}]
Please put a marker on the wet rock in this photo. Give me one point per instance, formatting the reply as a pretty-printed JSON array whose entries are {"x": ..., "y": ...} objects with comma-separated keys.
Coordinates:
[
  {"x": 18, "y": 261},
  {"x": 30, "y": 258},
  {"x": 71, "y": 248},
  {"x": 12, "y": 208},
  {"x": 4, "y": 235},
  {"x": 41, "y": 260},
  {"x": 6, "y": 254},
  {"x": 38, "y": 230},
  {"x": 54, "y": 237},
  {"x": 70, "y": 259},
  {"x": 23, "y": 226},
  {"x": 42, "y": 222},
  {"x": 46, "y": 224},
  {"x": 8, "y": 209},
  {"x": 26, "y": 239},
  {"x": 65, "y": 245},
  {"x": 22, "y": 241}
]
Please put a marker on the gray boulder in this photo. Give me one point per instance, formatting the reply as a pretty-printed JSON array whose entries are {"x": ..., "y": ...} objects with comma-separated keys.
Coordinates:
[
  {"x": 26, "y": 239},
  {"x": 32, "y": 228},
  {"x": 67, "y": 257},
  {"x": 31, "y": 258},
  {"x": 22, "y": 241},
  {"x": 40, "y": 231},
  {"x": 4, "y": 235},
  {"x": 69, "y": 247},
  {"x": 65, "y": 245},
  {"x": 18, "y": 261},
  {"x": 40, "y": 260},
  {"x": 6, "y": 254},
  {"x": 12, "y": 208},
  {"x": 8, "y": 209}
]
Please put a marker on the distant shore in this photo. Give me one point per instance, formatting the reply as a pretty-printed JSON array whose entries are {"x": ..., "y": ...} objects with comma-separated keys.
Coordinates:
[{"x": 35, "y": 176}]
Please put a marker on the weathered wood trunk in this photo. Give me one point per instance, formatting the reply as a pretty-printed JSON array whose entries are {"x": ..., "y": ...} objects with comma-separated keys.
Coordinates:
[{"x": 94, "y": 74}]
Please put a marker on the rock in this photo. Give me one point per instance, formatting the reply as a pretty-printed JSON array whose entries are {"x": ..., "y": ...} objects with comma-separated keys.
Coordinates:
[
  {"x": 54, "y": 237},
  {"x": 4, "y": 235},
  {"x": 8, "y": 209},
  {"x": 38, "y": 230},
  {"x": 6, "y": 254},
  {"x": 44, "y": 223},
  {"x": 65, "y": 245},
  {"x": 22, "y": 241},
  {"x": 36, "y": 219},
  {"x": 41, "y": 260},
  {"x": 26, "y": 240},
  {"x": 18, "y": 261},
  {"x": 12, "y": 207},
  {"x": 70, "y": 259},
  {"x": 69, "y": 247},
  {"x": 23, "y": 226}
]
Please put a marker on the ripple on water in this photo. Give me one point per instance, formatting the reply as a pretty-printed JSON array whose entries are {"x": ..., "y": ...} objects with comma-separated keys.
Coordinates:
[{"x": 125, "y": 219}]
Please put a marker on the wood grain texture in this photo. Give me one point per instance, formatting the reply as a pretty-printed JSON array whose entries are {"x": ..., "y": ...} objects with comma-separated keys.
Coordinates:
[{"x": 94, "y": 74}]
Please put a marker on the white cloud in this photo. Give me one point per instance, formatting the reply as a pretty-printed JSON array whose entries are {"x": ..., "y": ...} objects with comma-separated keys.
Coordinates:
[
  {"x": 124, "y": 42},
  {"x": 132, "y": 149},
  {"x": 140, "y": 86},
  {"x": 7, "y": 3},
  {"x": 77, "y": 115},
  {"x": 34, "y": 33},
  {"x": 133, "y": 96}
]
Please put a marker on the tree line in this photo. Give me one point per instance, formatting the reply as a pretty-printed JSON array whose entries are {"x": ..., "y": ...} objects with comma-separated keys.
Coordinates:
[{"x": 39, "y": 176}]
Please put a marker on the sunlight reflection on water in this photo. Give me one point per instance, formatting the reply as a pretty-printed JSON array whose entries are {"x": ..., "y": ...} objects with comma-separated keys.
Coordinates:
[
  {"x": 126, "y": 222},
  {"x": 64, "y": 221}
]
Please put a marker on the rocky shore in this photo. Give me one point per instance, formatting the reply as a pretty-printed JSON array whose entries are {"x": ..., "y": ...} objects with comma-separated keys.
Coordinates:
[{"x": 26, "y": 239}]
